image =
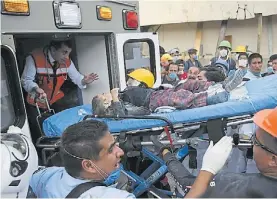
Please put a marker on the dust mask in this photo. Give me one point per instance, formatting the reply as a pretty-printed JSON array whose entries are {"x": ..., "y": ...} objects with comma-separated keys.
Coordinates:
[
  {"x": 132, "y": 82},
  {"x": 243, "y": 62},
  {"x": 223, "y": 53}
]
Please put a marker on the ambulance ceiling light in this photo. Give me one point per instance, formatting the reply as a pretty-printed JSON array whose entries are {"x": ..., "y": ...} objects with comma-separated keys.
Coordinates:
[{"x": 67, "y": 14}]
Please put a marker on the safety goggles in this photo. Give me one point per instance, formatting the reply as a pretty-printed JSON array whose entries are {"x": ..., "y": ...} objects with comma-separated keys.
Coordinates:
[{"x": 256, "y": 142}]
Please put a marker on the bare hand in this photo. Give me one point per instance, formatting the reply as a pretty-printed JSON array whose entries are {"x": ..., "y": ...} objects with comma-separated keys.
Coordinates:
[
  {"x": 90, "y": 78},
  {"x": 41, "y": 93},
  {"x": 114, "y": 93}
]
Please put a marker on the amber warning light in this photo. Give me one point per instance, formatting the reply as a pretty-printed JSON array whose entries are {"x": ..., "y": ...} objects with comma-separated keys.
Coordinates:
[{"x": 15, "y": 7}]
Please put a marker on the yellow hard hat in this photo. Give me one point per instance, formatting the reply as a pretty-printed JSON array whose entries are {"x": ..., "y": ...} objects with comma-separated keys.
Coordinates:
[
  {"x": 166, "y": 57},
  {"x": 143, "y": 75},
  {"x": 240, "y": 49}
]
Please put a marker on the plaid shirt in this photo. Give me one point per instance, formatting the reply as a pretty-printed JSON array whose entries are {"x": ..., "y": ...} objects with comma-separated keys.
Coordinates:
[{"x": 190, "y": 94}]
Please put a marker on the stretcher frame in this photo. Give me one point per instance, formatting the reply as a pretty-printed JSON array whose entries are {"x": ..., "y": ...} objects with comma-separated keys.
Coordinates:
[
  {"x": 48, "y": 144},
  {"x": 157, "y": 169}
]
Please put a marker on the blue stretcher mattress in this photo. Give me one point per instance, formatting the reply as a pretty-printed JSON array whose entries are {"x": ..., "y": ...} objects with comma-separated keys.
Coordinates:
[{"x": 262, "y": 94}]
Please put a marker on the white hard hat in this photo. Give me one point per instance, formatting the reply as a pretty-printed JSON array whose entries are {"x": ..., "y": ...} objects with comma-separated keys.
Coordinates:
[{"x": 19, "y": 161}]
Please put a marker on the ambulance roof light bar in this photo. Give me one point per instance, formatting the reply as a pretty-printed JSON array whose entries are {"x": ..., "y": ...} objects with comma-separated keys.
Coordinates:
[
  {"x": 67, "y": 14},
  {"x": 15, "y": 7}
]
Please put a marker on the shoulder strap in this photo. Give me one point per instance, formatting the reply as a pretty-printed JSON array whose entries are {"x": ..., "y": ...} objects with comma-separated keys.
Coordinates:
[{"x": 82, "y": 188}]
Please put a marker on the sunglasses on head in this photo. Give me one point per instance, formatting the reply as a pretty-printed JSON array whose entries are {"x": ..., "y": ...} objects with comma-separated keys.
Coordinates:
[{"x": 256, "y": 142}]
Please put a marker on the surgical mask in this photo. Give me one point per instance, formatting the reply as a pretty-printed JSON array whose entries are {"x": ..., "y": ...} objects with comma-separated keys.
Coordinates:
[
  {"x": 258, "y": 74},
  {"x": 108, "y": 179},
  {"x": 223, "y": 53},
  {"x": 270, "y": 69},
  {"x": 132, "y": 82},
  {"x": 243, "y": 62},
  {"x": 175, "y": 58},
  {"x": 172, "y": 76},
  {"x": 113, "y": 177},
  {"x": 237, "y": 56},
  {"x": 195, "y": 57}
]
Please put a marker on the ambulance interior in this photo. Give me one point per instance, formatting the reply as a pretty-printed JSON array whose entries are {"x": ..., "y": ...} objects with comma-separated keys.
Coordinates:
[{"x": 90, "y": 54}]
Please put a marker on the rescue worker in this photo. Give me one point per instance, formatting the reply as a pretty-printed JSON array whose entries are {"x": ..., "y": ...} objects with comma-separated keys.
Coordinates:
[
  {"x": 89, "y": 154},
  {"x": 224, "y": 49},
  {"x": 175, "y": 54},
  {"x": 272, "y": 66},
  {"x": 242, "y": 60},
  {"x": 256, "y": 185},
  {"x": 239, "y": 49},
  {"x": 166, "y": 60},
  {"x": 211, "y": 183},
  {"x": 44, "y": 74},
  {"x": 46, "y": 70},
  {"x": 255, "y": 62},
  {"x": 193, "y": 60}
]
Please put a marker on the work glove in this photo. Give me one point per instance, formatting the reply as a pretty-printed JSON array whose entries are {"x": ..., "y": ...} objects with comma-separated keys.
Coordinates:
[
  {"x": 159, "y": 147},
  {"x": 217, "y": 155}
]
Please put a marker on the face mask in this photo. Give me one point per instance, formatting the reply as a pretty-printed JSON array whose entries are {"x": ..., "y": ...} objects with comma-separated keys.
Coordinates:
[
  {"x": 223, "y": 53},
  {"x": 243, "y": 62},
  {"x": 175, "y": 58},
  {"x": 258, "y": 74},
  {"x": 195, "y": 57},
  {"x": 108, "y": 179},
  {"x": 237, "y": 56},
  {"x": 173, "y": 76},
  {"x": 132, "y": 82},
  {"x": 111, "y": 179},
  {"x": 270, "y": 69}
]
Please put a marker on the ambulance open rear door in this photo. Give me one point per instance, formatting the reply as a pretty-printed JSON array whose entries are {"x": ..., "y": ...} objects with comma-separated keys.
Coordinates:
[{"x": 137, "y": 50}]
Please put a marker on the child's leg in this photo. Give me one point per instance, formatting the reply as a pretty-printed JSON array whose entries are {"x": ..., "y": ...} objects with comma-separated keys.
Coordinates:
[
  {"x": 218, "y": 98},
  {"x": 236, "y": 79}
]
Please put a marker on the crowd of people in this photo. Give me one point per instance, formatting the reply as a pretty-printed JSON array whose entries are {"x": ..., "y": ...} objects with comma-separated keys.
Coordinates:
[{"x": 175, "y": 68}]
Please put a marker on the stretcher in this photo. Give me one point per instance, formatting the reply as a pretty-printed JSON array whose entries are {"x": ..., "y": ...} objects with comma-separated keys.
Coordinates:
[
  {"x": 180, "y": 129},
  {"x": 262, "y": 94}
]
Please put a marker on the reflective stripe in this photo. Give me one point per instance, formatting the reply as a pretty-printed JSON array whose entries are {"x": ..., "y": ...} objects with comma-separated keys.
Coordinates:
[{"x": 50, "y": 70}]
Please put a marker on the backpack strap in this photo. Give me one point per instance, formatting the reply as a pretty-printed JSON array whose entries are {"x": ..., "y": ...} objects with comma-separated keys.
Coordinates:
[{"x": 82, "y": 188}]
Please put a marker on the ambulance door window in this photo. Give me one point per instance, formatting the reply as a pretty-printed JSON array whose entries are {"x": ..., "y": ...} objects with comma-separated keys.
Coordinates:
[
  {"x": 12, "y": 103},
  {"x": 139, "y": 54},
  {"x": 7, "y": 109}
]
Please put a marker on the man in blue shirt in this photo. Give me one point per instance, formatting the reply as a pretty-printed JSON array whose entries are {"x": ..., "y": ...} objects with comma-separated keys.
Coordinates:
[
  {"x": 193, "y": 60},
  {"x": 89, "y": 154}
]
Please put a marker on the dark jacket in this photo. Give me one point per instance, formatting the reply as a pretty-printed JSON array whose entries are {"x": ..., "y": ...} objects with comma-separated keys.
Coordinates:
[
  {"x": 124, "y": 108},
  {"x": 189, "y": 64},
  {"x": 226, "y": 185},
  {"x": 231, "y": 63}
]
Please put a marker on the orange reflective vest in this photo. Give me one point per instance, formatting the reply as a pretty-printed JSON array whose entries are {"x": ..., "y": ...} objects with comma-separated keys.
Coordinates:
[{"x": 48, "y": 78}]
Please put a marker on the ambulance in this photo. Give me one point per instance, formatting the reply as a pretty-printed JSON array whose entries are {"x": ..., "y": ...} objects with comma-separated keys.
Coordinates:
[{"x": 107, "y": 41}]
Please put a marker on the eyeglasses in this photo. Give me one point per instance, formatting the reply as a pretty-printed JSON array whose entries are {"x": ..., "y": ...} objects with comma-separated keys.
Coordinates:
[{"x": 256, "y": 142}]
